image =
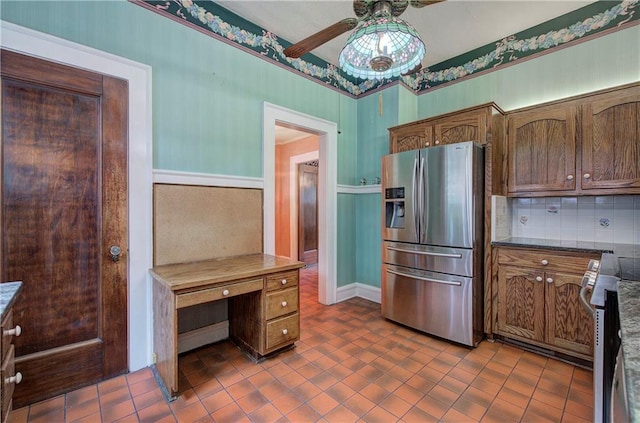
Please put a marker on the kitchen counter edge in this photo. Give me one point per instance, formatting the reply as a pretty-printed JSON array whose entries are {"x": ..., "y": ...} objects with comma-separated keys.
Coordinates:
[
  {"x": 190, "y": 275},
  {"x": 8, "y": 293}
]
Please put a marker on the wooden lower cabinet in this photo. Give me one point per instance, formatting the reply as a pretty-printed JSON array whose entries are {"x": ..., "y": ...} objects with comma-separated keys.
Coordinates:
[
  {"x": 538, "y": 300},
  {"x": 9, "y": 377}
]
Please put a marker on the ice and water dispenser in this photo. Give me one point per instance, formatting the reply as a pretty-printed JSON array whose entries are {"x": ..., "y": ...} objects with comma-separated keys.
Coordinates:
[{"x": 394, "y": 207}]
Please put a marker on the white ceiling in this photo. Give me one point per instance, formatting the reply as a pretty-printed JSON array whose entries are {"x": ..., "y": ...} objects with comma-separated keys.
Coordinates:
[{"x": 448, "y": 29}]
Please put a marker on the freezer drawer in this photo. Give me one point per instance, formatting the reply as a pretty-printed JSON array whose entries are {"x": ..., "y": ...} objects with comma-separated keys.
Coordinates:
[
  {"x": 431, "y": 302},
  {"x": 454, "y": 261}
]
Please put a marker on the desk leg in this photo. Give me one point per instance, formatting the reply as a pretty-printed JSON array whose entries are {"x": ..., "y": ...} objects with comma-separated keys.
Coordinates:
[{"x": 165, "y": 336}]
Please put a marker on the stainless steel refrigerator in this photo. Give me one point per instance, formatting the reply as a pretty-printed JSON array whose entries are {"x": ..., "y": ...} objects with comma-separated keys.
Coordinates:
[{"x": 432, "y": 231}]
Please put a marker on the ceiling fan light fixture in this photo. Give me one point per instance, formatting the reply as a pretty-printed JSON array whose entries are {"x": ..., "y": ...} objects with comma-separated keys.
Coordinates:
[{"x": 382, "y": 47}]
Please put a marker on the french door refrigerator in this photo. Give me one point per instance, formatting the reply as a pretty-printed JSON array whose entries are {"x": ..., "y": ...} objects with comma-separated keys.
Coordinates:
[{"x": 432, "y": 231}]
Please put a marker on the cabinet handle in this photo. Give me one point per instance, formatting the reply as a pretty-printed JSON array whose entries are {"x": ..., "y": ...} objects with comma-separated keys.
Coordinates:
[
  {"x": 549, "y": 280},
  {"x": 14, "y": 379},
  {"x": 13, "y": 332},
  {"x": 284, "y": 281},
  {"x": 569, "y": 177},
  {"x": 284, "y": 331},
  {"x": 284, "y": 304},
  {"x": 437, "y": 142},
  {"x": 544, "y": 262},
  {"x": 427, "y": 144},
  {"x": 225, "y": 292},
  {"x": 539, "y": 278},
  {"x": 587, "y": 175}
]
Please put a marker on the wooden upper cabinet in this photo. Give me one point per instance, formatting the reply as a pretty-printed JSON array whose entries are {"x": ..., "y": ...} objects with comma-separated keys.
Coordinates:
[
  {"x": 410, "y": 137},
  {"x": 472, "y": 124},
  {"x": 466, "y": 126},
  {"x": 542, "y": 148},
  {"x": 611, "y": 140}
]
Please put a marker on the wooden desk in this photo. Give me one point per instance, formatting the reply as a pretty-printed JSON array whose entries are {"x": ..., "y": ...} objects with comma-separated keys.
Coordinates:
[{"x": 263, "y": 304}]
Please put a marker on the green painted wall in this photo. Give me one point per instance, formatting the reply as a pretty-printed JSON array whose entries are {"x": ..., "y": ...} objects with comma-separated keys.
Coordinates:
[
  {"x": 600, "y": 63},
  {"x": 207, "y": 96}
]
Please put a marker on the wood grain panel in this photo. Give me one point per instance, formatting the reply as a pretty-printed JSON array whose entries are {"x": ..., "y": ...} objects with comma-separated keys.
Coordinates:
[
  {"x": 611, "y": 140},
  {"x": 282, "y": 331},
  {"x": 520, "y": 303},
  {"x": 194, "y": 223},
  {"x": 569, "y": 326},
  {"x": 219, "y": 292},
  {"x": 542, "y": 148},
  {"x": 556, "y": 260},
  {"x": 165, "y": 335},
  {"x": 281, "y": 303}
]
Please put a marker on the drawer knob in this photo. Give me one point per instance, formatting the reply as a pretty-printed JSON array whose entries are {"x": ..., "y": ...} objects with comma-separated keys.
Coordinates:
[
  {"x": 427, "y": 144},
  {"x": 569, "y": 177},
  {"x": 539, "y": 278},
  {"x": 284, "y": 281},
  {"x": 587, "y": 175},
  {"x": 549, "y": 280},
  {"x": 284, "y": 331},
  {"x": 284, "y": 304},
  {"x": 544, "y": 262},
  {"x": 13, "y": 332},
  {"x": 437, "y": 142},
  {"x": 14, "y": 379},
  {"x": 225, "y": 292}
]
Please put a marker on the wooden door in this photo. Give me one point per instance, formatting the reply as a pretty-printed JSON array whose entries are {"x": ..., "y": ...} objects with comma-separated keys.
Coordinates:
[
  {"x": 520, "y": 303},
  {"x": 64, "y": 204},
  {"x": 568, "y": 325},
  {"x": 308, "y": 213},
  {"x": 611, "y": 140},
  {"x": 467, "y": 126},
  {"x": 542, "y": 148}
]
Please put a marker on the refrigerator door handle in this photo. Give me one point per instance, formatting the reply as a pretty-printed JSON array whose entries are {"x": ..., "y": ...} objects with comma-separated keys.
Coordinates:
[
  {"x": 414, "y": 198},
  {"x": 423, "y": 279},
  {"x": 426, "y": 253},
  {"x": 421, "y": 206}
]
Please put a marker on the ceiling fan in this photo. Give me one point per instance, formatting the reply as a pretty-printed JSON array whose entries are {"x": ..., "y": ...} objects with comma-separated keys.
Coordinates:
[{"x": 368, "y": 13}]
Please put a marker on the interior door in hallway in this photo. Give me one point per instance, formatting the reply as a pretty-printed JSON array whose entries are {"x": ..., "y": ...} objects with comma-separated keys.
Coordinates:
[
  {"x": 308, "y": 213},
  {"x": 63, "y": 213}
]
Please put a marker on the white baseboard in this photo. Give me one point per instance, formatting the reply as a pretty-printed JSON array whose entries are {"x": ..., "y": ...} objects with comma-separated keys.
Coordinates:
[
  {"x": 202, "y": 336},
  {"x": 361, "y": 290}
]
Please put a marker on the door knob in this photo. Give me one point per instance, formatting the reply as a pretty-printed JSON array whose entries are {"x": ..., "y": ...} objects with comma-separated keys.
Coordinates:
[{"x": 115, "y": 252}]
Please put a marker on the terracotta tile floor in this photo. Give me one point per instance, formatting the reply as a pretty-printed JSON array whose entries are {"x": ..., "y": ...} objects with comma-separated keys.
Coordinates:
[{"x": 349, "y": 365}]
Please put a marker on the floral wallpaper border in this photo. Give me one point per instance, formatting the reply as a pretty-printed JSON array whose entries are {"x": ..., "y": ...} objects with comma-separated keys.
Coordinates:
[{"x": 220, "y": 23}]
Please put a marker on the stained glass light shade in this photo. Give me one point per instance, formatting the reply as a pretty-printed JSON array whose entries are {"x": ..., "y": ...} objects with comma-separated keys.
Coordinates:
[{"x": 382, "y": 47}]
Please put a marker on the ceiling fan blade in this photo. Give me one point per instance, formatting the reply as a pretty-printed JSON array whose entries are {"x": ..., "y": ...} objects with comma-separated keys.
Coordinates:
[
  {"x": 423, "y": 3},
  {"x": 414, "y": 70},
  {"x": 320, "y": 37}
]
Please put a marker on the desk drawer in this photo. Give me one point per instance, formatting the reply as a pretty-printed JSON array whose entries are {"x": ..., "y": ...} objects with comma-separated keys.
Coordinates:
[
  {"x": 282, "y": 280},
  {"x": 282, "y": 302},
  {"x": 281, "y": 331},
  {"x": 551, "y": 260},
  {"x": 6, "y": 372},
  {"x": 218, "y": 293},
  {"x": 8, "y": 331}
]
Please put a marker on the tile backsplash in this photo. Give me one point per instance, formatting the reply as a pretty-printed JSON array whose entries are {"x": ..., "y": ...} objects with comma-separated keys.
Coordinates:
[{"x": 596, "y": 218}]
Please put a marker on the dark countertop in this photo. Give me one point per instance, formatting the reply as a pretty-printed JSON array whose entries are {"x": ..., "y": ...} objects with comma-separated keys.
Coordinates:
[
  {"x": 8, "y": 293},
  {"x": 558, "y": 245}
]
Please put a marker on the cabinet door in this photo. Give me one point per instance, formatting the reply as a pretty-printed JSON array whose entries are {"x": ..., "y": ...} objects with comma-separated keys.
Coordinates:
[
  {"x": 521, "y": 303},
  {"x": 541, "y": 149},
  {"x": 611, "y": 140},
  {"x": 568, "y": 325},
  {"x": 469, "y": 126},
  {"x": 410, "y": 137}
]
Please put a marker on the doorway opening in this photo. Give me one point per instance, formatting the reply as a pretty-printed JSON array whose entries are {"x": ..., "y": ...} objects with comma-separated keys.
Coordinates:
[{"x": 327, "y": 134}]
